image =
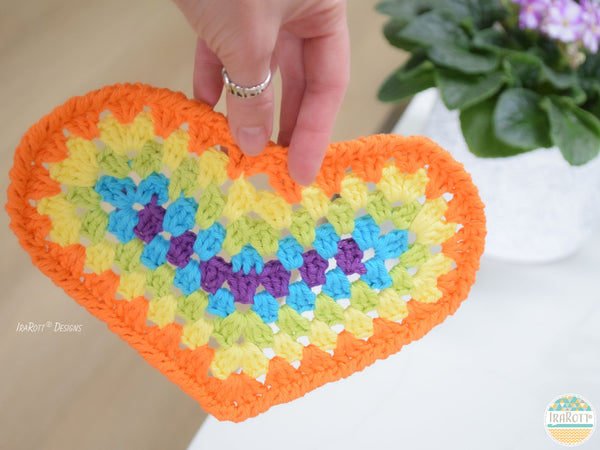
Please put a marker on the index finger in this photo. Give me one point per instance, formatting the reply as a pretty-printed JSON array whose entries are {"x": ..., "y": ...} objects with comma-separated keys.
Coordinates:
[{"x": 327, "y": 66}]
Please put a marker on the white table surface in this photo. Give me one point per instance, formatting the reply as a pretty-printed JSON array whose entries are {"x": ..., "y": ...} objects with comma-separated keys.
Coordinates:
[{"x": 480, "y": 380}]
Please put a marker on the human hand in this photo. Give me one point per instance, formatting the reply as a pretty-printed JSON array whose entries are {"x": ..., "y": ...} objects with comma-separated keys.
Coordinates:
[{"x": 306, "y": 39}]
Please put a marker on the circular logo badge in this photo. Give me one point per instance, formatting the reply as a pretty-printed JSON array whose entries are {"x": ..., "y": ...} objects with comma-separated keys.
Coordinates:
[{"x": 570, "y": 420}]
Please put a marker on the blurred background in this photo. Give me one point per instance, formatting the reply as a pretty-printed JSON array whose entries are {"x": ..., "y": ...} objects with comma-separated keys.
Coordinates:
[{"x": 89, "y": 389}]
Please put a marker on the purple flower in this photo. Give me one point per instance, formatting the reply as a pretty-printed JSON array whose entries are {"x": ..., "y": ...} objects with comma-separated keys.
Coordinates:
[
  {"x": 591, "y": 18},
  {"x": 564, "y": 21},
  {"x": 532, "y": 12}
]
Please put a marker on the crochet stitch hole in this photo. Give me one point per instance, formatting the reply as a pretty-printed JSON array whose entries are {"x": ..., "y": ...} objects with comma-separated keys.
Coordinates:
[
  {"x": 373, "y": 314},
  {"x": 295, "y": 276},
  {"x": 310, "y": 315},
  {"x": 304, "y": 340},
  {"x": 213, "y": 343},
  {"x": 412, "y": 237},
  {"x": 253, "y": 215},
  {"x": 353, "y": 277},
  {"x": 332, "y": 265},
  {"x": 261, "y": 378},
  {"x": 166, "y": 235},
  {"x": 321, "y": 221},
  {"x": 360, "y": 212},
  {"x": 243, "y": 307},
  {"x": 338, "y": 328},
  {"x": 435, "y": 249},
  {"x": 106, "y": 207},
  {"x": 386, "y": 227},
  {"x": 103, "y": 114},
  {"x": 99, "y": 143},
  {"x": 135, "y": 177},
  {"x": 368, "y": 254},
  {"x": 112, "y": 238},
  {"x": 84, "y": 241},
  {"x": 86, "y": 270},
  {"x": 269, "y": 352},
  {"x": 224, "y": 188},
  {"x": 260, "y": 181},
  {"x": 166, "y": 171},
  {"x": 344, "y": 302},
  {"x": 391, "y": 263}
]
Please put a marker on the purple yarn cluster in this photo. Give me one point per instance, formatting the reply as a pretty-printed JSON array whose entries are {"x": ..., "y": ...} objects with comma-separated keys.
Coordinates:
[
  {"x": 569, "y": 21},
  {"x": 274, "y": 277}
]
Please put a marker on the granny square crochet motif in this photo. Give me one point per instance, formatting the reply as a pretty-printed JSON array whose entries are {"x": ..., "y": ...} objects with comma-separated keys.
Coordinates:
[{"x": 138, "y": 203}]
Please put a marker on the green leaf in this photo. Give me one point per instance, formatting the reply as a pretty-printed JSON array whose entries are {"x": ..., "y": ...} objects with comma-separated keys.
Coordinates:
[
  {"x": 590, "y": 67},
  {"x": 560, "y": 80},
  {"x": 490, "y": 39},
  {"x": 522, "y": 38},
  {"x": 550, "y": 50},
  {"x": 575, "y": 131},
  {"x": 404, "y": 83},
  {"x": 589, "y": 75},
  {"x": 407, "y": 9},
  {"x": 591, "y": 88},
  {"x": 477, "y": 127},
  {"x": 392, "y": 30},
  {"x": 519, "y": 120},
  {"x": 434, "y": 28},
  {"x": 523, "y": 69},
  {"x": 459, "y": 91},
  {"x": 461, "y": 59},
  {"x": 483, "y": 13}
]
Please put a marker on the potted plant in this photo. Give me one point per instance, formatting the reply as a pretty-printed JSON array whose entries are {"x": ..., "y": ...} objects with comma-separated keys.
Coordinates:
[{"x": 516, "y": 76}]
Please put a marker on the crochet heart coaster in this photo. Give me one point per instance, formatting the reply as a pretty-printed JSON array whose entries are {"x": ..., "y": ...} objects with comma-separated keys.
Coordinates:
[{"x": 137, "y": 202}]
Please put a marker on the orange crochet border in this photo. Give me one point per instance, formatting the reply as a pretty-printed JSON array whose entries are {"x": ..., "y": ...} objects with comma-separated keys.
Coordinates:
[{"x": 239, "y": 396}]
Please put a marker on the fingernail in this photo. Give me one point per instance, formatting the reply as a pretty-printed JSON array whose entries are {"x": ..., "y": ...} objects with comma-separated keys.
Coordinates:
[{"x": 252, "y": 140}]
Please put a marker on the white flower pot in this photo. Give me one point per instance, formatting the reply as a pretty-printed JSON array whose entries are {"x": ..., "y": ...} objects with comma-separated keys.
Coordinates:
[{"x": 538, "y": 207}]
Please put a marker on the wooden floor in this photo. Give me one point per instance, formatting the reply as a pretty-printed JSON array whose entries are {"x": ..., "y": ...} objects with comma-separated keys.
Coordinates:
[{"x": 88, "y": 389}]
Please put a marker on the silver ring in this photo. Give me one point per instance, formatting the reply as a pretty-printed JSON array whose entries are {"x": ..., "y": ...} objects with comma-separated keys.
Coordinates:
[{"x": 245, "y": 92}]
